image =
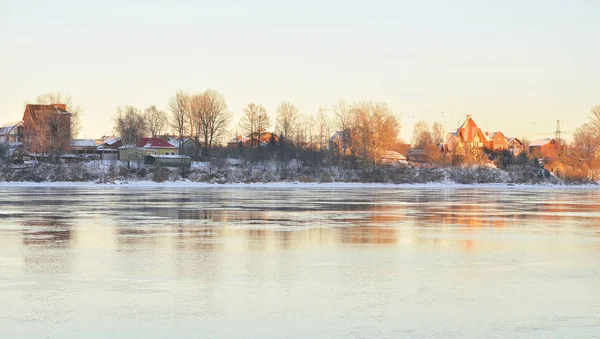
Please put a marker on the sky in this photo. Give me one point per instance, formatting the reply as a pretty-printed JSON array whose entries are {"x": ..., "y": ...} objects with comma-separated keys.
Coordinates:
[{"x": 515, "y": 66}]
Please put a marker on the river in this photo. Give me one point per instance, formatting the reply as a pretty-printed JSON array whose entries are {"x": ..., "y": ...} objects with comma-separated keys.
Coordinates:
[{"x": 305, "y": 262}]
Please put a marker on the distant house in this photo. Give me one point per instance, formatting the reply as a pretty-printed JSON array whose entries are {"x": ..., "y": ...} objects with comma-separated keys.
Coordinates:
[
  {"x": 468, "y": 135},
  {"x": 12, "y": 138},
  {"x": 544, "y": 148},
  {"x": 515, "y": 146},
  {"x": 146, "y": 146},
  {"x": 264, "y": 139},
  {"x": 108, "y": 148},
  {"x": 47, "y": 129},
  {"x": 392, "y": 157},
  {"x": 84, "y": 147},
  {"x": 188, "y": 144},
  {"x": 497, "y": 141},
  {"x": 420, "y": 155}
]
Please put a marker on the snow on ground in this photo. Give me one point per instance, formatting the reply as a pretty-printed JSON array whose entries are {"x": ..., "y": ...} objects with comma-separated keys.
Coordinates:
[{"x": 304, "y": 185}]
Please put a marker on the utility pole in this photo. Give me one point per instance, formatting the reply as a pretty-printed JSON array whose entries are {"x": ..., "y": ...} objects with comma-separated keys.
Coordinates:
[{"x": 557, "y": 130}]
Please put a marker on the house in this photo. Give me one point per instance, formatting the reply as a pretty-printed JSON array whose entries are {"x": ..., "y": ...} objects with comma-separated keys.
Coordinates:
[
  {"x": 108, "y": 148},
  {"x": 421, "y": 155},
  {"x": 84, "y": 147},
  {"x": 146, "y": 146},
  {"x": 47, "y": 129},
  {"x": 12, "y": 139},
  {"x": 544, "y": 148},
  {"x": 188, "y": 145},
  {"x": 263, "y": 139},
  {"x": 515, "y": 146},
  {"x": 468, "y": 135},
  {"x": 392, "y": 157},
  {"x": 497, "y": 141}
]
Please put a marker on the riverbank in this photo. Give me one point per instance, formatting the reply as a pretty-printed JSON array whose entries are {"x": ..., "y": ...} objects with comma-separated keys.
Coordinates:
[{"x": 274, "y": 174}]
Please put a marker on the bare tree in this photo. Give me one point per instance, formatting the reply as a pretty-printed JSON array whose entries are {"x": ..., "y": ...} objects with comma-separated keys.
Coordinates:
[
  {"x": 343, "y": 118},
  {"x": 595, "y": 118},
  {"x": 374, "y": 129},
  {"x": 287, "y": 118},
  {"x": 179, "y": 106},
  {"x": 421, "y": 135},
  {"x": 437, "y": 132},
  {"x": 324, "y": 128},
  {"x": 255, "y": 122},
  {"x": 210, "y": 113},
  {"x": 61, "y": 98},
  {"x": 130, "y": 125},
  {"x": 47, "y": 129},
  {"x": 156, "y": 120}
]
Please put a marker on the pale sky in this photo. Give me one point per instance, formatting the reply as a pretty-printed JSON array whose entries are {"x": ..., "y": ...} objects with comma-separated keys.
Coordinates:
[{"x": 516, "y": 66}]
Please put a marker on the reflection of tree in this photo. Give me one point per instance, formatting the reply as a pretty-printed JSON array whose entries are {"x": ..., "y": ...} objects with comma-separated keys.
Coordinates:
[{"x": 51, "y": 230}]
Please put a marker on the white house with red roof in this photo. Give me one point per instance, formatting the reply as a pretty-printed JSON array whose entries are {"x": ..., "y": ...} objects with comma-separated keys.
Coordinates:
[{"x": 144, "y": 147}]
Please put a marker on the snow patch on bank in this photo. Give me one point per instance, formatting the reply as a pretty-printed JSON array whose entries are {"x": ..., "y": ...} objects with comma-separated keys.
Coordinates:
[{"x": 288, "y": 185}]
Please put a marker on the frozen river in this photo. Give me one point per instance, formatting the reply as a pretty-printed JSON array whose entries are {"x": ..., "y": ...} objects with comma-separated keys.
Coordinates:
[{"x": 229, "y": 262}]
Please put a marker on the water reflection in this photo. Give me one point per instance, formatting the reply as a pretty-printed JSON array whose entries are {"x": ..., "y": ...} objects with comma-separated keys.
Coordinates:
[
  {"x": 207, "y": 218},
  {"x": 210, "y": 258}
]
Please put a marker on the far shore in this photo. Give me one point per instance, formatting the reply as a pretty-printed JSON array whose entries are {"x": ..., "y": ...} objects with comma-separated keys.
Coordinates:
[{"x": 288, "y": 185}]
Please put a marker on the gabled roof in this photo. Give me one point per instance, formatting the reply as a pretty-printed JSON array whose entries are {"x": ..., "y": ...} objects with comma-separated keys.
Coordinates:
[
  {"x": 153, "y": 143},
  {"x": 468, "y": 130},
  {"x": 540, "y": 142},
  {"x": 109, "y": 141},
  {"x": 512, "y": 140},
  {"x": 176, "y": 141},
  {"x": 83, "y": 143},
  {"x": 7, "y": 127}
]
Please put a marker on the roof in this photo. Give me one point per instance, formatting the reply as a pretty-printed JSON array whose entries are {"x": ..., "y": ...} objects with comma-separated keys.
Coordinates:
[
  {"x": 153, "y": 143},
  {"x": 393, "y": 155},
  {"x": 109, "y": 141},
  {"x": 7, "y": 127},
  {"x": 175, "y": 141},
  {"x": 168, "y": 156},
  {"x": 540, "y": 142},
  {"x": 83, "y": 143}
]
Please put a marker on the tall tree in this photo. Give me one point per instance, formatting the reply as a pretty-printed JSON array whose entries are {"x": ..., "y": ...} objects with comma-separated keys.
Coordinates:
[
  {"x": 156, "y": 120},
  {"x": 62, "y": 98},
  {"x": 324, "y": 128},
  {"x": 437, "y": 132},
  {"x": 595, "y": 118},
  {"x": 374, "y": 129},
  {"x": 130, "y": 125},
  {"x": 421, "y": 135},
  {"x": 254, "y": 122},
  {"x": 179, "y": 106},
  {"x": 209, "y": 110},
  {"x": 287, "y": 118},
  {"x": 343, "y": 120}
]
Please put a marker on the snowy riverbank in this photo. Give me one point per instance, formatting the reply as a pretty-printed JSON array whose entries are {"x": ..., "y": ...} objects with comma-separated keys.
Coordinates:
[
  {"x": 289, "y": 185},
  {"x": 273, "y": 174}
]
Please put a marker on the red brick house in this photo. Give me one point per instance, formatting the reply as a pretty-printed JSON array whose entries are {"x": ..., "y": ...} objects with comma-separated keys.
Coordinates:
[
  {"x": 515, "y": 146},
  {"x": 544, "y": 148},
  {"x": 497, "y": 141},
  {"x": 47, "y": 129}
]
